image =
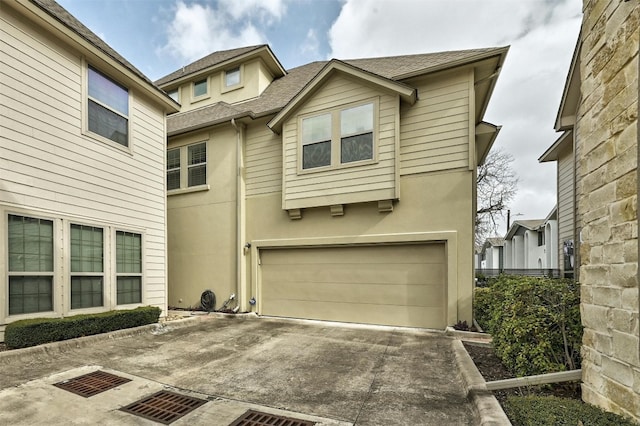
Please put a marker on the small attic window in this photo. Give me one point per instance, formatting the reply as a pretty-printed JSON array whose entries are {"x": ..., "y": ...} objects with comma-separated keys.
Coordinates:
[{"x": 232, "y": 77}]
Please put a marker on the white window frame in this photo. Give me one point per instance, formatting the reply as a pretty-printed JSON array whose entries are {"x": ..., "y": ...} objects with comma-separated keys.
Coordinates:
[
  {"x": 223, "y": 79},
  {"x": 184, "y": 170},
  {"x": 206, "y": 95},
  {"x": 85, "y": 106},
  {"x": 128, "y": 274},
  {"x": 336, "y": 137},
  {"x": 102, "y": 274}
]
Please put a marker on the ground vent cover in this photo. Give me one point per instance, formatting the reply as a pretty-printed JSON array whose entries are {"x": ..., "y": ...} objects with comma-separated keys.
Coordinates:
[
  {"x": 256, "y": 418},
  {"x": 92, "y": 383},
  {"x": 164, "y": 407}
]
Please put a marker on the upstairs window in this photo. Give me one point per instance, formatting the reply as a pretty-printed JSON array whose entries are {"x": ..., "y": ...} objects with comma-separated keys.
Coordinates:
[
  {"x": 232, "y": 77},
  {"x": 173, "y": 94},
  {"x": 173, "y": 169},
  {"x": 200, "y": 88},
  {"x": 197, "y": 168},
  {"x": 30, "y": 265},
  {"x": 187, "y": 167},
  {"x": 338, "y": 137},
  {"x": 108, "y": 108}
]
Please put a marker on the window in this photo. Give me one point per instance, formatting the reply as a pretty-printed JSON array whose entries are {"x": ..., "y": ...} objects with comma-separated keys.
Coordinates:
[
  {"x": 348, "y": 131},
  {"x": 200, "y": 88},
  {"x": 197, "y": 167},
  {"x": 87, "y": 266},
  {"x": 174, "y": 95},
  {"x": 173, "y": 169},
  {"x": 540, "y": 238},
  {"x": 30, "y": 265},
  {"x": 128, "y": 267},
  {"x": 232, "y": 77},
  {"x": 108, "y": 108}
]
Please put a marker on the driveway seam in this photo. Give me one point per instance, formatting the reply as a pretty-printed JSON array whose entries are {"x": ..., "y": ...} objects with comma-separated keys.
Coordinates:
[{"x": 377, "y": 369}]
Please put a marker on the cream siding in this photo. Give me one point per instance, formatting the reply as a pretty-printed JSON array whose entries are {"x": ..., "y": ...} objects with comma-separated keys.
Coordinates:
[
  {"x": 434, "y": 133},
  {"x": 566, "y": 203},
  {"x": 263, "y": 160},
  {"x": 49, "y": 167},
  {"x": 358, "y": 183}
]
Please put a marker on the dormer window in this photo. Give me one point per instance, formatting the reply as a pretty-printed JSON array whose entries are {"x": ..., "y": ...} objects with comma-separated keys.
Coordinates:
[
  {"x": 200, "y": 88},
  {"x": 338, "y": 137},
  {"x": 232, "y": 77}
]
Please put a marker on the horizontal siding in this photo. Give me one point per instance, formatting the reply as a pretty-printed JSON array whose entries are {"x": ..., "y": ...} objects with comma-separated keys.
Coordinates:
[
  {"x": 48, "y": 165},
  {"x": 566, "y": 204},
  {"x": 312, "y": 188},
  {"x": 262, "y": 160},
  {"x": 434, "y": 132}
]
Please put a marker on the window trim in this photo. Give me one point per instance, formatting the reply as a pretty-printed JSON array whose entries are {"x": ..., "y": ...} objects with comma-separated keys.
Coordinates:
[
  {"x": 178, "y": 169},
  {"x": 73, "y": 274},
  {"x": 223, "y": 79},
  {"x": 85, "y": 109},
  {"x": 336, "y": 137},
  {"x": 206, "y": 95},
  {"x": 184, "y": 169},
  {"x": 177, "y": 92},
  {"x": 116, "y": 274}
]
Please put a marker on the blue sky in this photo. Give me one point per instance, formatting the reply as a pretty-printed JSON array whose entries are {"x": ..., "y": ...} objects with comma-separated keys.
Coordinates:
[{"x": 160, "y": 36}]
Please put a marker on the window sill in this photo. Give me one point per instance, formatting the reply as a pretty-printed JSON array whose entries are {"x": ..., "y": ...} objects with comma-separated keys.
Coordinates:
[
  {"x": 188, "y": 190},
  {"x": 227, "y": 89},
  {"x": 337, "y": 167}
]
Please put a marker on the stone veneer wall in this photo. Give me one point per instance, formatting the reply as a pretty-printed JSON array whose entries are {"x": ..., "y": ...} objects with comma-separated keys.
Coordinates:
[{"x": 607, "y": 191}]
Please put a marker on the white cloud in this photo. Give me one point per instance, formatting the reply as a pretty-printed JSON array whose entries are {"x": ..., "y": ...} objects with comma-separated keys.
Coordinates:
[
  {"x": 197, "y": 30},
  {"x": 311, "y": 45},
  {"x": 542, "y": 35}
]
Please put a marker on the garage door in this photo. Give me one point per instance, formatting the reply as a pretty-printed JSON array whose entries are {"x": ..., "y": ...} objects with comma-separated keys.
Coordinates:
[{"x": 401, "y": 285}]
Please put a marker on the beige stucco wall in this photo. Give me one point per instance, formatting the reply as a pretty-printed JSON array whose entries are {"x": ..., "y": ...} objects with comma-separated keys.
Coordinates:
[
  {"x": 431, "y": 202},
  {"x": 607, "y": 143},
  {"x": 202, "y": 225}
]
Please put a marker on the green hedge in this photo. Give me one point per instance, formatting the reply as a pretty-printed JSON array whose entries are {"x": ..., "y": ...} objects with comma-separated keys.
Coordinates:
[
  {"x": 36, "y": 331},
  {"x": 551, "y": 410},
  {"x": 535, "y": 322}
]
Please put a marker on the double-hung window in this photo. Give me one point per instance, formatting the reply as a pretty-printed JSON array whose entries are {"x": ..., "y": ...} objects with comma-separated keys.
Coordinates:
[
  {"x": 30, "y": 265},
  {"x": 232, "y": 77},
  {"x": 108, "y": 108},
  {"x": 187, "y": 166},
  {"x": 128, "y": 267},
  {"x": 200, "y": 88},
  {"x": 87, "y": 266},
  {"x": 339, "y": 137}
]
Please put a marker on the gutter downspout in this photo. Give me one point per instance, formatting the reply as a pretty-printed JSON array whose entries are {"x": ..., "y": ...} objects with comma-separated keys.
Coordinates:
[{"x": 241, "y": 262}]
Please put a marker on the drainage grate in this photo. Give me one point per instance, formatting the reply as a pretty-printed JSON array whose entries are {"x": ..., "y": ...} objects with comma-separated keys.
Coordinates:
[
  {"x": 164, "y": 407},
  {"x": 92, "y": 383},
  {"x": 256, "y": 418}
]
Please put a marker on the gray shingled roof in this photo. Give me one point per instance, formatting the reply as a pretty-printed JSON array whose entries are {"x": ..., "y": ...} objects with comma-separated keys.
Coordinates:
[
  {"x": 207, "y": 62},
  {"x": 283, "y": 89},
  {"x": 61, "y": 15}
]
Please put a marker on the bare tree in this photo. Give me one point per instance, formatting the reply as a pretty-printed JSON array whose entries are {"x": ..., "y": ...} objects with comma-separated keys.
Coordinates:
[{"x": 497, "y": 185}]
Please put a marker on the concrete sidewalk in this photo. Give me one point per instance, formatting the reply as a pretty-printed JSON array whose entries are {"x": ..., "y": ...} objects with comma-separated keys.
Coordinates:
[{"x": 328, "y": 373}]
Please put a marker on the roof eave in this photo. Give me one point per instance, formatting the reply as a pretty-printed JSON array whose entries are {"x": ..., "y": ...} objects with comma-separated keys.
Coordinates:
[
  {"x": 551, "y": 154},
  {"x": 572, "y": 83}
]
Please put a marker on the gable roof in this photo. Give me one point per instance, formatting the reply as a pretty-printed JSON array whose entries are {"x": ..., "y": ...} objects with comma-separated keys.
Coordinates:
[
  {"x": 406, "y": 93},
  {"x": 530, "y": 225},
  {"x": 565, "y": 141},
  {"x": 62, "y": 16},
  {"x": 283, "y": 89},
  {"x": 225, "y": 58}
]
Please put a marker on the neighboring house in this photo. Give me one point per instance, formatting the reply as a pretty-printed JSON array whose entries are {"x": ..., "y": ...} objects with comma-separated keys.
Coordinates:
[
  {"x": 530, "y": 246},
  {"x": 338, "y": 190},
  {"x": 82, "y": 188},
  {"x": 491, "y": 254},
  {"x": 562, "y": 151},
  {"x": 605, "y": 105}
]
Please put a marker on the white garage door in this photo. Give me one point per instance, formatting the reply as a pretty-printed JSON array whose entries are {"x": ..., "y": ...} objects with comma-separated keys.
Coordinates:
[{"x": 403, "y": 285}]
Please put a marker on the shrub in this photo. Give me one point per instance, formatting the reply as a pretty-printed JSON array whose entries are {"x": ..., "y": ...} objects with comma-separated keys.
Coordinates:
[
  {"x": 551, "y": 410},
  {"x": 535, "y": 323},
  {"x": 31, "y": 332}
]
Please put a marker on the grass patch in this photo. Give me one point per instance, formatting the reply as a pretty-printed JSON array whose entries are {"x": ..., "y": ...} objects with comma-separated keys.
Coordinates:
[{"x": 551, "y": 410}]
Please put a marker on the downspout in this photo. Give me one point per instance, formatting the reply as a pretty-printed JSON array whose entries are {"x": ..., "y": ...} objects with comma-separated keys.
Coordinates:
[{"x": 240, "y": 219}]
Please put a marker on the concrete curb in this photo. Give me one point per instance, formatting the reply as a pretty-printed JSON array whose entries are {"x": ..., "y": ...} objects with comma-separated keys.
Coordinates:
[
  {"x": 80, "y": 342},
  {"x": 486, "y": 406}
]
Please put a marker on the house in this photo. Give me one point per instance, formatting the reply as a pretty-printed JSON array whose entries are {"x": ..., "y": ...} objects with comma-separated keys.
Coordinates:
[
  {"x": 338, "y": 190},
  {"x": 601, "y": 110},
  {"x": 562, "y": 151},
  {"x": 82, "y": 188},
  {"x": 492, "y": 254},
  {"x": 532, "y": 244}
]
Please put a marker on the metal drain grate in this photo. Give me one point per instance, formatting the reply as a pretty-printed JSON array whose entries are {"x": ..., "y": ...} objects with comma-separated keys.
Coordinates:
[
  {"x": 256, "y": 418},
  {"x": 92, "y": 383},
  {"x": 164, "y": 407}
]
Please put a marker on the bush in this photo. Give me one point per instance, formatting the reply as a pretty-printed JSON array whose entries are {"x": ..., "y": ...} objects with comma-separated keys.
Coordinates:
[
  {"x": 535, "y": 323},
  {"x": 31, "y": 332},
  {"x": 551, "y": 410}
]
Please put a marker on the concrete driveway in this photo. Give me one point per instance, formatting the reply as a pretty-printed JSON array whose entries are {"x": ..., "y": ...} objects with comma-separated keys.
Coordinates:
[{"x": 327, "y": 373}]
